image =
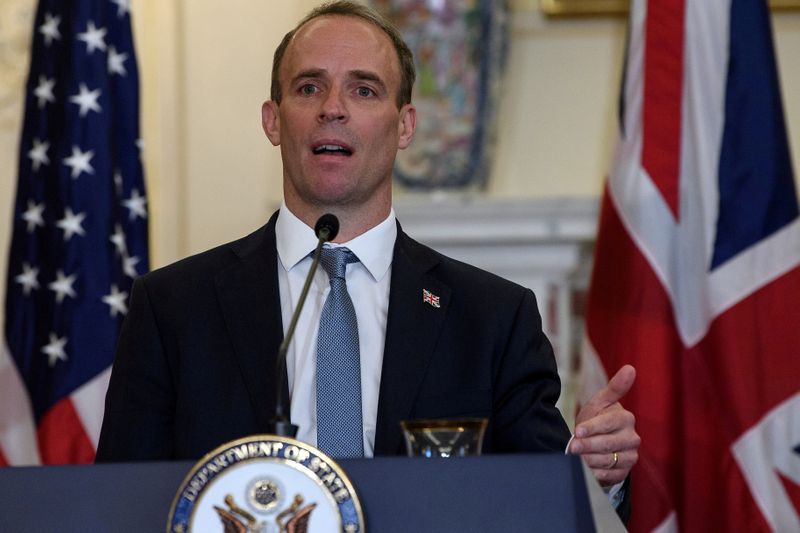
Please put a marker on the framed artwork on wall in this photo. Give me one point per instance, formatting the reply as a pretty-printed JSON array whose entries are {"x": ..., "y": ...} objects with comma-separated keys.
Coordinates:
[
  {"x": 584, "y": 7},
  {"x": 459, "y": 50}
]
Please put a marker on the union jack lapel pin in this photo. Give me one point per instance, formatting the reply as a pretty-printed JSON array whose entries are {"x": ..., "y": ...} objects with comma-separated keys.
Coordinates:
[{"x": 429, "y": 298}]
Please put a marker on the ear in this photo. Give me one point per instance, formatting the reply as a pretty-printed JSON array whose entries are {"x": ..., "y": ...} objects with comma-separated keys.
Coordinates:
[
  {"x": 407, "y": 125},
  {"x": 271, "y": 122}
]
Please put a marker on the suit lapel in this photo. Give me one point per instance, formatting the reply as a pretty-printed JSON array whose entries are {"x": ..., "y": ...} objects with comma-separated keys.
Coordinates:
[
  {"x": 250, "y": 300},
  {"x": 412, "y": 330}
]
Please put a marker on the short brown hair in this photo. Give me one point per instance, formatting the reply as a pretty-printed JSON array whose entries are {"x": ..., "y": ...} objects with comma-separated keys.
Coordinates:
[{"x": 352, "y": 9}]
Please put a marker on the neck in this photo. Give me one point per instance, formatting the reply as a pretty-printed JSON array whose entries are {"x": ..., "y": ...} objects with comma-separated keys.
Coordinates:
[{"x": 352, "y": 223}]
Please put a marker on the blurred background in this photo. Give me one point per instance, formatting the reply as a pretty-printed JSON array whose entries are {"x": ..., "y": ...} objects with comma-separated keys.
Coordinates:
[
  {"x": 205, "y": 70},
  {"x": 212, "y": 176}
]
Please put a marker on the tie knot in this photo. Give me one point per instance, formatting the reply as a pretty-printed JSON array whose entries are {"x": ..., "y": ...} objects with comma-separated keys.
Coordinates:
[{"x": 335, "y": 260}]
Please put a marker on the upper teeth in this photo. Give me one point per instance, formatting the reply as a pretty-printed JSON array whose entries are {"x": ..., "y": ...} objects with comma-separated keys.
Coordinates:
[{"x": 330, "y": 147}]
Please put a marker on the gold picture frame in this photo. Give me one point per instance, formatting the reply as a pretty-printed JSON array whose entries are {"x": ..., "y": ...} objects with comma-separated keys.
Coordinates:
[{"x": 565, "y": 8}]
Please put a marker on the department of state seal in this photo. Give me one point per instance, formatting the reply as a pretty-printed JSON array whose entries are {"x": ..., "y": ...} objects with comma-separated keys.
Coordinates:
[{"x": 266, "y": 484}]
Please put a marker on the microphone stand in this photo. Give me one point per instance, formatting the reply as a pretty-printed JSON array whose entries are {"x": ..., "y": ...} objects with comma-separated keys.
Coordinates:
[{"x": 326, "y": 230}]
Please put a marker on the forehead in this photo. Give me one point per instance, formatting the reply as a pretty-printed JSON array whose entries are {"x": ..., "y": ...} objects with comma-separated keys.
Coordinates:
[{"x": 341, "y": 41}]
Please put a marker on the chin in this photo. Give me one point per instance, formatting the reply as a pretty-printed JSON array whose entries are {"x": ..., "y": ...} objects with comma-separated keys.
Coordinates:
[{"x": 333, "y": 190}]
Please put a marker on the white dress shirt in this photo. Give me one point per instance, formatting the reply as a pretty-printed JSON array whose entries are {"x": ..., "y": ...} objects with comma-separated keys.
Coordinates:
[{"x": 368, "y": 285}]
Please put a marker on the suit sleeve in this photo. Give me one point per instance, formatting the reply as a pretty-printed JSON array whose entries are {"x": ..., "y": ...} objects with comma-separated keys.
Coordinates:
[
  {"x": 526, "y": 417},
  {"x": 526, "y": 388},
  {"x": 139, "y": 409}
]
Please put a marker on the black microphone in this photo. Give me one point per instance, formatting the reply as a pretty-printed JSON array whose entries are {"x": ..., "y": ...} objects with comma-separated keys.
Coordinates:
[{"x": 326, "y": 229}]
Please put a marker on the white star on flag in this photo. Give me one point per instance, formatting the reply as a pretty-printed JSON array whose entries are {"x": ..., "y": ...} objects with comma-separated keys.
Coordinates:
[
  {"x": 50, "y": 28},
  {"x": 94, "y": 38},
  {"x": 87, "y": 100},
  {"x": 118, "y": 238},
  {"x": 129, "y": 266},
  {"x": 55, "y": 350},
  {"x": 123, "y": 7},
  {"x": 33, "y": 216},
  {"x": 135, "y": 204},
  {"x": 116, "y": 301},
  {"x": 28, "y": 278},
  {"x": 62, "y": 286},
  {"x": 38, "y": 154},
  {"x": 116, "y": 62},
  {"x": 71, "y": 224},
  {"x": 44, "y": 91},
  {"x": 80, "y": 162}
]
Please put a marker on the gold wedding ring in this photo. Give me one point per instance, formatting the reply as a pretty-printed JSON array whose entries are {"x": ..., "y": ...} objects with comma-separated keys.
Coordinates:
[{"x": 614, "y": 461}]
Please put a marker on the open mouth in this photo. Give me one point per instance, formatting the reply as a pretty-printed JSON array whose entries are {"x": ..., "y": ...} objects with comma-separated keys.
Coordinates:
[{"x": 332, "y": 149}]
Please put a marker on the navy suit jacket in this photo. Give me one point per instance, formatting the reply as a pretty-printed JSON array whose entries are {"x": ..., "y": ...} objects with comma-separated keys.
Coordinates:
[{"x": 195, "y": 361}]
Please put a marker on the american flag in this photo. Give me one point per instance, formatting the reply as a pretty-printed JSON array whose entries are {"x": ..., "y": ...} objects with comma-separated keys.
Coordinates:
[
  {"x": 697, "y": 271},
  {"x": 79, "y": 231}
]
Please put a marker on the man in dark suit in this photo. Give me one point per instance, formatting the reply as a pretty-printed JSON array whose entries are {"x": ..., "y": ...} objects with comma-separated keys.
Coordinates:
[{"x": 438, "y": 338}]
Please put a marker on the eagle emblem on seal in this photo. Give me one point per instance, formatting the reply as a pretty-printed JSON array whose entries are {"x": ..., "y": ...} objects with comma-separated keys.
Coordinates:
[{"x": 293, "y": 519}]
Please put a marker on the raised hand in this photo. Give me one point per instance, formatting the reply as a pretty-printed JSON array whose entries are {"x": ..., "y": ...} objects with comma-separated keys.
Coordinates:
[{"x": 605, "y": 433}]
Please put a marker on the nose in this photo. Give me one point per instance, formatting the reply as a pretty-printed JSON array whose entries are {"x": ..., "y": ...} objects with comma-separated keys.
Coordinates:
[{"x": 334, "y": 107}]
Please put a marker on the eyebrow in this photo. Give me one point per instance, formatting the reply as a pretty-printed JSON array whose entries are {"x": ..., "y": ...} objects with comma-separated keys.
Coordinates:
[
  {"x": 310, "y": 73},
  {"x": 367, "y": 75}
]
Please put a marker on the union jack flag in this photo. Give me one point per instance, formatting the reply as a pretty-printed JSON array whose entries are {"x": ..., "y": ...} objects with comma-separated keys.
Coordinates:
[
  {"x": 697, "y": 271},
  {"x": 429, "y": 298},
  {"x": 79, "y": 231}
]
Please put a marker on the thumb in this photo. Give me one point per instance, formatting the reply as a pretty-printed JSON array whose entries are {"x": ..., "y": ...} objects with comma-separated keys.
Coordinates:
[{"x": 617, "y": 387}]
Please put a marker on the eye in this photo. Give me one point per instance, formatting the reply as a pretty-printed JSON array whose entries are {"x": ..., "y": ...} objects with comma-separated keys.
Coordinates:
[
  {"x": 365, "y": 92},
  {"x": 308, "y": 89}
]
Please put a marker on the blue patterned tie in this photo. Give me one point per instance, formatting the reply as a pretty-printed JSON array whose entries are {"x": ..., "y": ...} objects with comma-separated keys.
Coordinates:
[{"x": 339, "y": 429}]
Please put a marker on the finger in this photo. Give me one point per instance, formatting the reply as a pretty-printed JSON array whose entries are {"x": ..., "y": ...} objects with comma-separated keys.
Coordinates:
[
  {"x": 605, "y": 444},
  {"x": 605, "y": 461},
  {"x": 614, "y": 418},
  {"x": 606, "y": 472},
  {"x": 617, "y": 387}
]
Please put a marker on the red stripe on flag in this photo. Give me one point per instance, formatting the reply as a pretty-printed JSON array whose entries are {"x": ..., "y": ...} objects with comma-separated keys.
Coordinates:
[
  {"x": 3, "y": 461},
  {"x": 750, "y": 353},
  {"x": 62, "y": 439},
  {"x": 663, "y": 91},
  {"x": 713, "y": 494},
  {"x": 689, "y": 408}
]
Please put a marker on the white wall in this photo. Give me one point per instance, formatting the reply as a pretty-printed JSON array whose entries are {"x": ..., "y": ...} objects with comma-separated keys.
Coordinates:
[
  {"x": 205, "y": 72},
  {"x": 557, "y": 119}
]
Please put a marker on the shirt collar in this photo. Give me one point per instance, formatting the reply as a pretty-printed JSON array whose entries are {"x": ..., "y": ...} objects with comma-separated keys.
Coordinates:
[{"x": 374, "y": 248}]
